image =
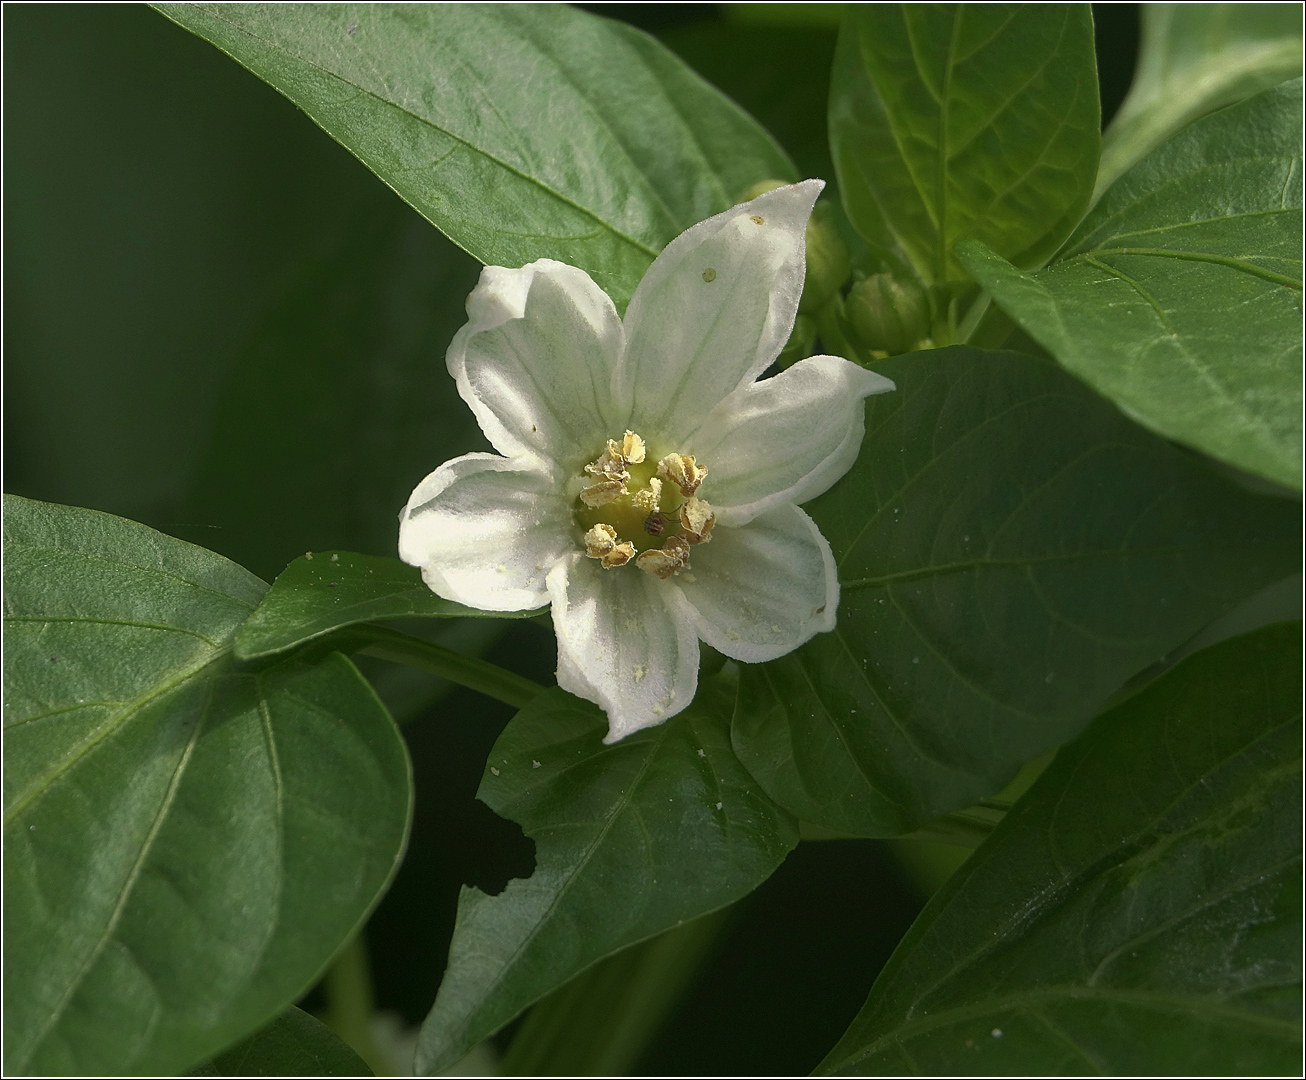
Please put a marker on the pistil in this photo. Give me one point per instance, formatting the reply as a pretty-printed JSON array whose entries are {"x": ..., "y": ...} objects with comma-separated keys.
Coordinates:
[{"x": 633, "y": 509}]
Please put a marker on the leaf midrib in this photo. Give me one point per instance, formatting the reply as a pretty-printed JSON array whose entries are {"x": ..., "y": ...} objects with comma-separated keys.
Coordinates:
[
  {"x": 535, "y": 181},
  {"x": 128, "y": 886},
  {"x": 622, "y": 804},
  {"x": 110, "y": 727},
  {"x": 1138, "y": 839}
]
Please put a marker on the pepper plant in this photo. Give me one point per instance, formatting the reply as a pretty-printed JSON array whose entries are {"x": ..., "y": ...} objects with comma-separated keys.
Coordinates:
[{"x": 939, "y": 482}]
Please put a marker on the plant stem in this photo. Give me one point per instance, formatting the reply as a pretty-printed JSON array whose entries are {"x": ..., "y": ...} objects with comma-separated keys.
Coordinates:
[
  {"x": 348, "y": 986},
  {"x": 601, "y": 1022},
  {"x": 469, "y": 671}
]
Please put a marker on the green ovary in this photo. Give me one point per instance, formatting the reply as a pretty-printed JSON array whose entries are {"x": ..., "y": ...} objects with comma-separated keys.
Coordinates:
[{"x": 629, "y": 518}]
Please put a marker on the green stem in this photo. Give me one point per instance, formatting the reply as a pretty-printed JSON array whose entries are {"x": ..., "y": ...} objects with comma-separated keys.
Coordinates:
[
  {"x": 348, "y": 986},
  {"x": 601, "y": 1022},
  {"x": 475, "y": 674}
]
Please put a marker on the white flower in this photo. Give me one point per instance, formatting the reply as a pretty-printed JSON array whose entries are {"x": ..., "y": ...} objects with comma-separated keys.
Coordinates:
[{"x": 648, "y": 483}]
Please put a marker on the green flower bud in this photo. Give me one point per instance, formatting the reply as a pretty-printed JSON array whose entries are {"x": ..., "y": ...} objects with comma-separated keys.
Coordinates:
[
  {"x": 886, "y": 315},
  {"x": 761, "y": 188},
  {"x": 828, "y": 261}
]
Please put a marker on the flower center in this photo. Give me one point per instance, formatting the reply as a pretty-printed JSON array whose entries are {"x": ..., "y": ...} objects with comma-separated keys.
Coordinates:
[{"x": 633, "y": 508}]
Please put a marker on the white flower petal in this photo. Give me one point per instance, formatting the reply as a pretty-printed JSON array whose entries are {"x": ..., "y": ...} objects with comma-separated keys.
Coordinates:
[
  {"x": 761, "y": 590},
  {"x": 486, "y": 532},
  {"x": 784, "y": 439},
  {"x": 714, "y": 310},
  {"x": 536, "y": 361},
  {"x": 626, "y": 642}
]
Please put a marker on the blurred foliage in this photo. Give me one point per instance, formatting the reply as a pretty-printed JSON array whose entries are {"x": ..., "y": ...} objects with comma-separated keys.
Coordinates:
[{"x": 218, "y": 322}]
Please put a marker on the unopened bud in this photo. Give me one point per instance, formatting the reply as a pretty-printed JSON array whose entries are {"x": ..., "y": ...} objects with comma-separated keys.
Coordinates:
[
  {"x": 828, "y": 261},
  {"x": 887, "y": 315}
]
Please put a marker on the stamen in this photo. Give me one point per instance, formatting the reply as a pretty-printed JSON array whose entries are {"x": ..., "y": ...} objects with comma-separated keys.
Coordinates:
[
  {"x": 601, "y": 543},
  {"x": 625, "y": 493},
  {"x": 682, "y": 471},
  {"x": 650, "y": 498},
  {"x": 619, "y": 555},
  {"x": 696, "y": 521},
  {"x": 604, "y": 492},
  {"x": 631, "y": 450},
  {"x": 600, "y": 540},
  {"x": 670, "y": 559},
  {"x": 608, "y": 466}
]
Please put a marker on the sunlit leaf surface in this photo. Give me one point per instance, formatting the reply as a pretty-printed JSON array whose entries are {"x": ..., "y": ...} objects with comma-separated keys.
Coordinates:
[
  {"x": 950, "y": 121},
  {"x": 521, "y": 131},
  {"x": 1180, "y": 296},
  {"x": 187, "y": 841}
]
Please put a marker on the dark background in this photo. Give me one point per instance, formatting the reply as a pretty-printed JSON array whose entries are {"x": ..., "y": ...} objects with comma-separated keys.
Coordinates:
[{"x": 219, "y": 323}]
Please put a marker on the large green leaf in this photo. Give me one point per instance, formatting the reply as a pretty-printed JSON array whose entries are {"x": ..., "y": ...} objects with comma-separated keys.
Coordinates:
[
  {"x": 965, "y": 120},
  {"x": 630, "y": 840},
  {"x": 520, "y": 131},
  {"x": 187, "y": 840},
  {"x": 1011, "y": 551},
  {"x": 1195, "y": 58},
  {"x": 294, "y": 1044},
  {"x": 1138, "y": 913},
  {"x": 322, "y": 592},
  {"x": 1179, "y": 296}
]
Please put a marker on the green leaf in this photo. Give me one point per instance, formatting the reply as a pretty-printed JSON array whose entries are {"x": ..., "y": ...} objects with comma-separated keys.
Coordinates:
[
  {"x": 294, "y": 1044},
  {"x": 1011, "y": 550},
  {"x": 1179, "y": 296},
  {"x": 1195, "y": 58},
  {"x": 187, "y": 840},
  {"x": 950, "y": 121},
  {"x": 520, "y": 131},
  {"x": 631, "y": 839},
  {"x": 1137, "y": 914},
  {"x": 326, "y": 590}
]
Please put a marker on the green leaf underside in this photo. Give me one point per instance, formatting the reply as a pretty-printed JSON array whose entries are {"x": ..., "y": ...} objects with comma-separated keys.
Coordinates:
[
  {"x": 631, "y": 840},
  {"x": 1179, "y": 296},
  {"x": 520, "y": 131},
  {"x": 187, "y": 842},
  {"x": 1011, "y": 551},
  {"x": 294, "y": 1044},
  {"x": 334, "y": 589},
  {"x": 1138, "y": 913},
  {"x": 950, "y": 121},
  {"x": 1196, "y": 58}
]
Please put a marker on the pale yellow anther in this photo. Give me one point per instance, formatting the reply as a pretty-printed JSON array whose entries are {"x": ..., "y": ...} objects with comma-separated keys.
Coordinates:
[
  {"x": 670, "y": 559},
  {"x": 682, "y": 471},
  {"x": 604, "y": 492},
  {"x": 696, "y": 521},
  {"x": 648, "y": 499},
  {"x": 609, "y": 466},
  {"x": 619, "y": 555},
  {"x": 600, "y": 540},
  {"x": 601, "y": 543},
  {"x": 630, "y": 449}
]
